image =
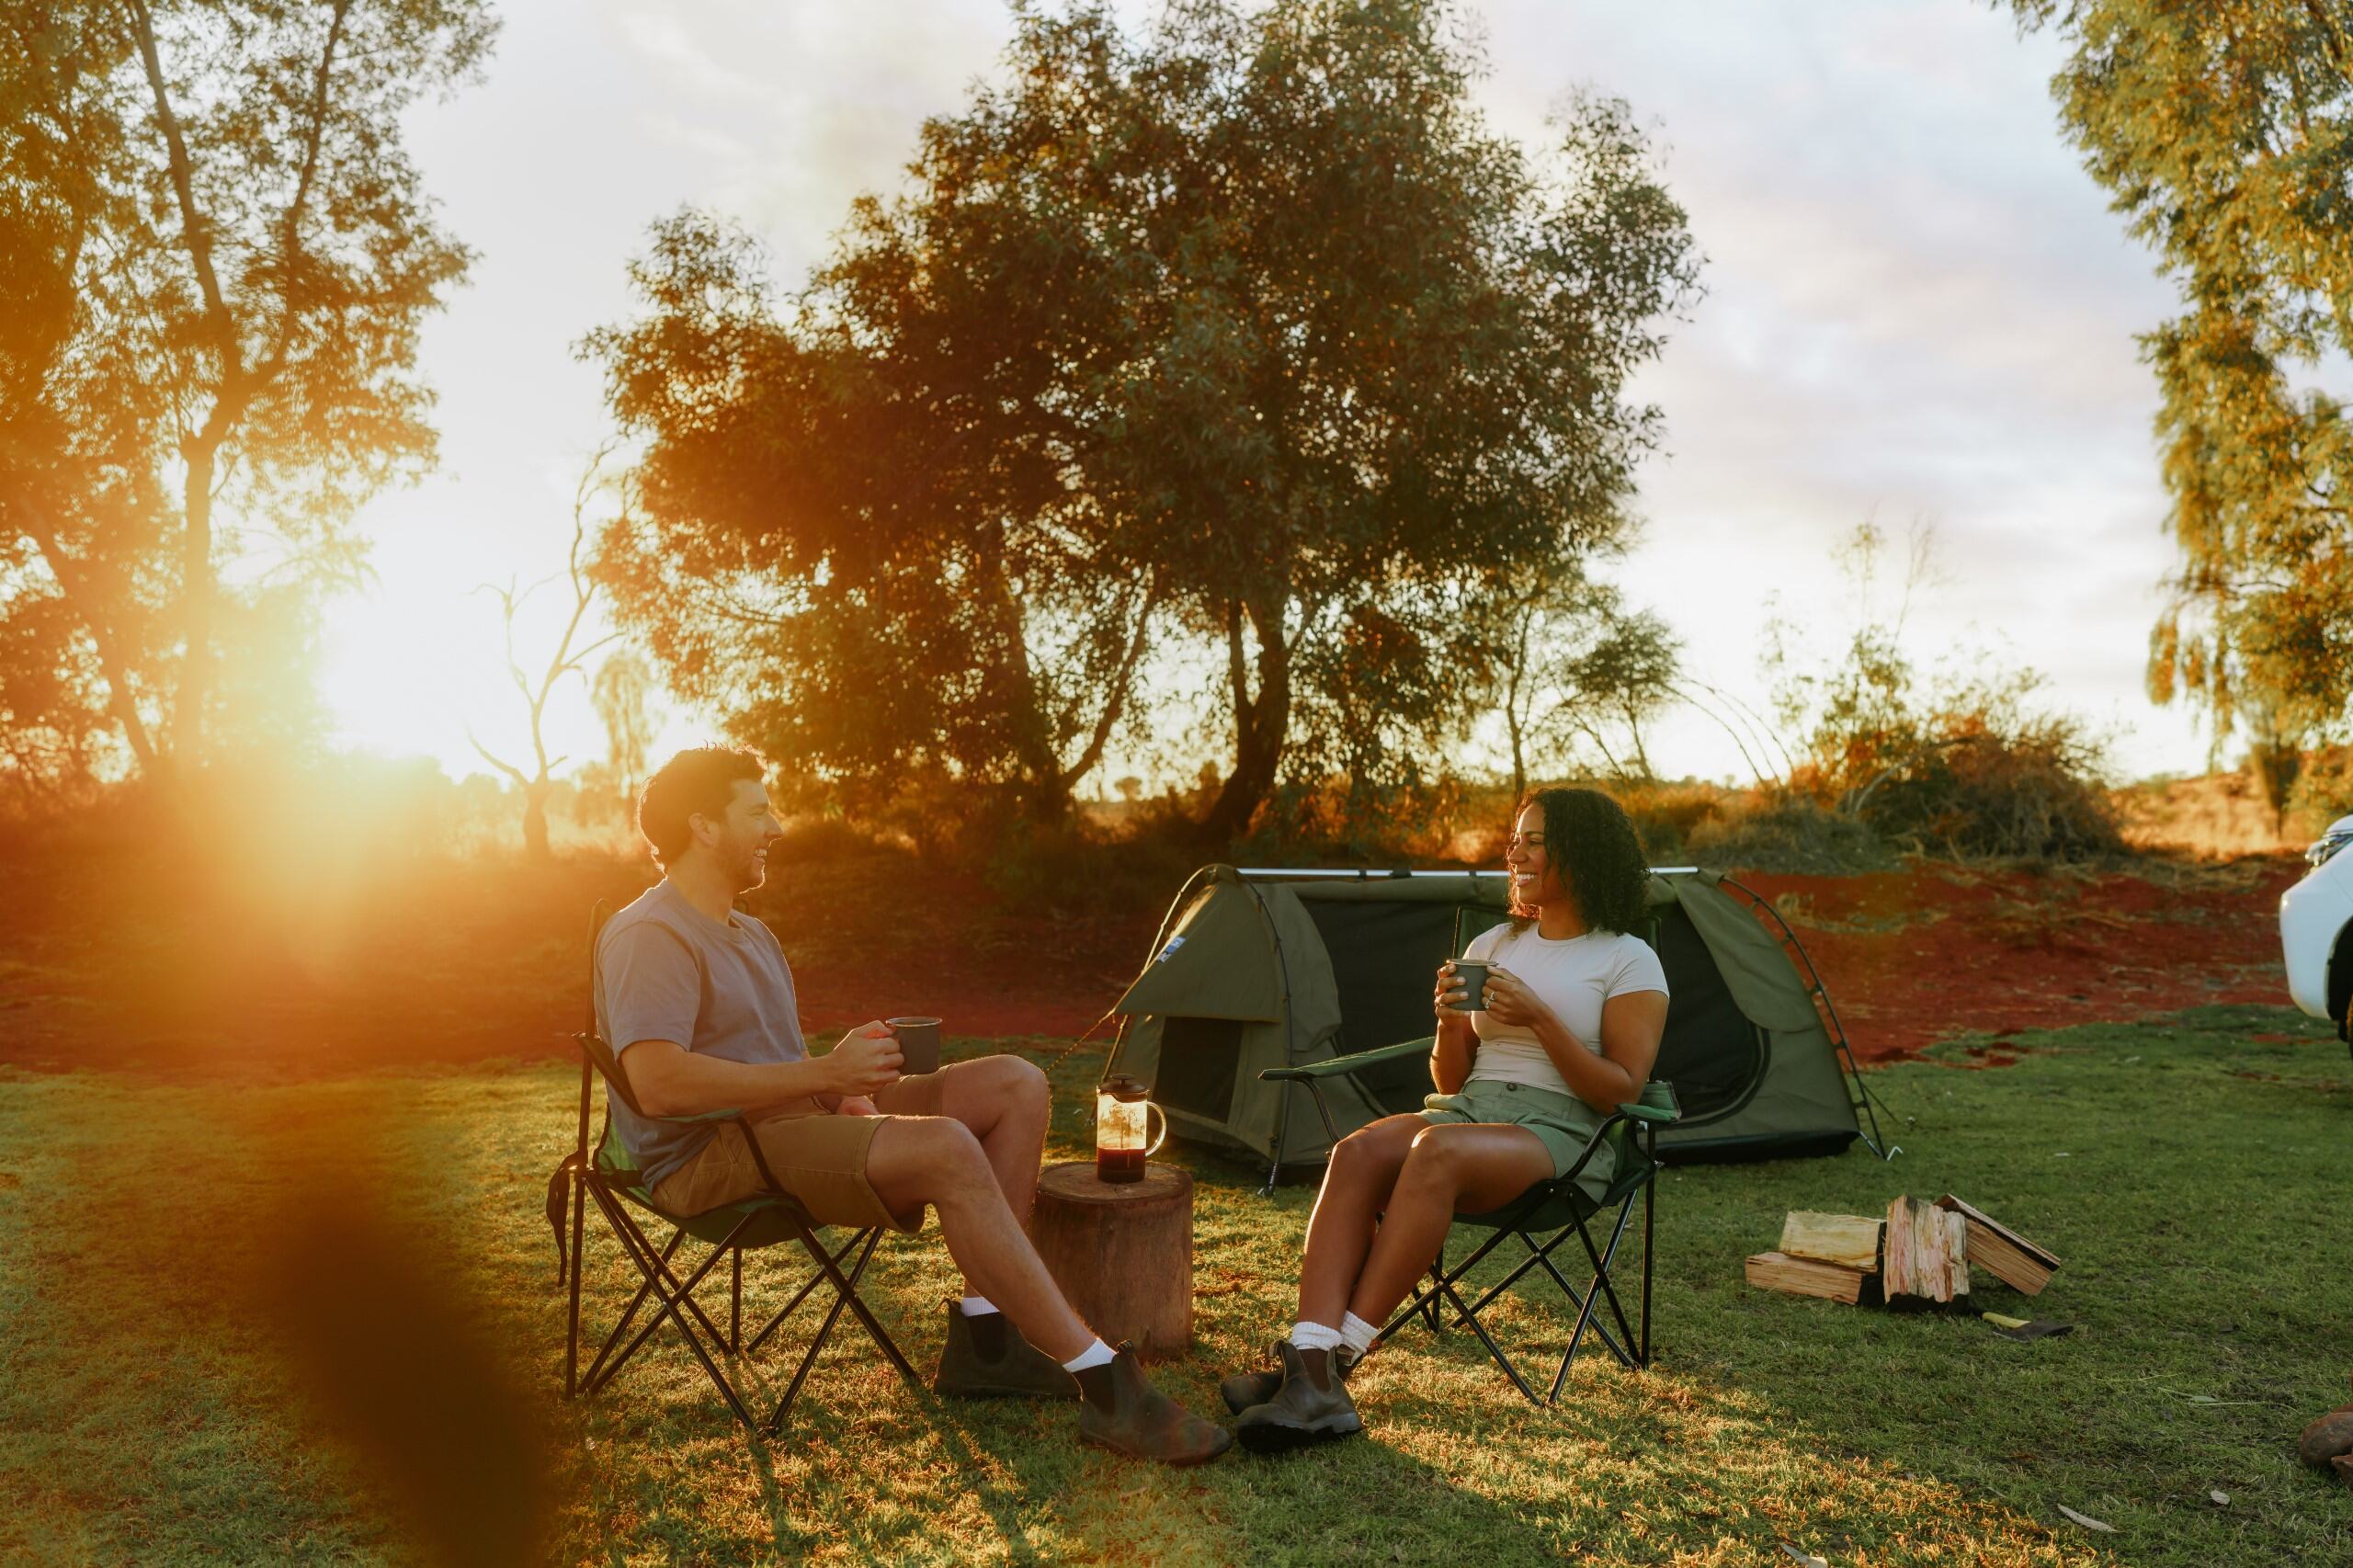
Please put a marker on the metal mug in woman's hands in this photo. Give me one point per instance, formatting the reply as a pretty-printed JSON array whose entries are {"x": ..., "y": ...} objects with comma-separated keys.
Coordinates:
[{"x": 1471, "y": 982}]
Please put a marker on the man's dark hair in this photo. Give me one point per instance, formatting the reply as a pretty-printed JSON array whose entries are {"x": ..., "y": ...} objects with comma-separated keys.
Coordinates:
[
  {"x": 700, "y": 779},
  {"x": 1591, "y": 842}
]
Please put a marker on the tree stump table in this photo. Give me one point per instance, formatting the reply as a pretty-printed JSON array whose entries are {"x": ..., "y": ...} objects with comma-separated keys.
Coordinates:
[{"x": 1122, "y": 1252}]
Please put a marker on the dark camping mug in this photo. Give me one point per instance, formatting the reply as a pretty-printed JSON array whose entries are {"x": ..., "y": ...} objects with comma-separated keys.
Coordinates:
[
  {"x": 1471, "y": 974},
  {"x": 918, "y": 1043}
]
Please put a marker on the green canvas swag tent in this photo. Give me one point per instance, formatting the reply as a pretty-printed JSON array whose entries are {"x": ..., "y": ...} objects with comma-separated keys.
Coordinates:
[{"x": 1255, "y": 969}]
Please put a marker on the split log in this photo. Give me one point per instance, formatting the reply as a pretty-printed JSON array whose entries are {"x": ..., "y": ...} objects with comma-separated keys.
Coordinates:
[
  {"x": 2002, "y": 1252},
  {"x": 1804, "y": 1277},
  {"x": 1926, "y": 1254},
  {"x": 1851, "y": 1240}
]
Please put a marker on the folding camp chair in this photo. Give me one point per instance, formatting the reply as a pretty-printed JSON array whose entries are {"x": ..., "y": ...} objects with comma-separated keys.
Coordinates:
[
  {"x": 1541, "y": 1218},
  {"x": 609, "y": 1178}
]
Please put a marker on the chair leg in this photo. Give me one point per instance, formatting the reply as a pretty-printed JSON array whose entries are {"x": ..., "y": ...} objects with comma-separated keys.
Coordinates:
[
  {"x": 678, "y": 1294},
  {"x": 872, "y": 1234},
  {"x": 648, "y": 1264},
  {"x": 848, "y": 1289},
  {"x": 638, "y": 1250},
  {"x": 1649, "y": 1187},
  {"x": 1600, "y": 1287},
  {"x": 656, "y": 1268},
  {"x": 807, "y": 1286},
  {"x": 572, "y": 1325},
  {"x": 735, "y": 1300},
  {"x": 1488, "y": 1340},
  {"x": 1603, "y": 1261},
  {"x": 658, "y": 1275}
]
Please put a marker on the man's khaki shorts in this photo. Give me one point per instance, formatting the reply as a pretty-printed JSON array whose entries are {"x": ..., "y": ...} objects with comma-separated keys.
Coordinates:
[{"x": 819, "y": 1157}]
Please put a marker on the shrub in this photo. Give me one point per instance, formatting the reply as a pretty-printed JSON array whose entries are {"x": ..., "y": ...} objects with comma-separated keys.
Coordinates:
[
  {"x": 1990, "y": 783},
  {"x": 1784, "y": 830}
]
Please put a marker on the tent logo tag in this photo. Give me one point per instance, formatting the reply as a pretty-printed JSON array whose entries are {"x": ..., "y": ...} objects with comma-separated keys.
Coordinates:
[{"x": 1174, "y": 943}]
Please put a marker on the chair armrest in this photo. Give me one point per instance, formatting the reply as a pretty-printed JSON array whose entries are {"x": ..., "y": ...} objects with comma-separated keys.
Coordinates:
[
  {"x": 1355, "y": 1061},
  {"x": 706, "y": 1116},
  {"x": 1658, "y": 1105}
]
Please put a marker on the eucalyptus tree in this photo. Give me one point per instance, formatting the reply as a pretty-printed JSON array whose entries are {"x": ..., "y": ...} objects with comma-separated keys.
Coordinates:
[
  {"x": 217, "y": 255},
  {"x": 1245, "y": 333},
  {"x": 2223, "y": 129}
]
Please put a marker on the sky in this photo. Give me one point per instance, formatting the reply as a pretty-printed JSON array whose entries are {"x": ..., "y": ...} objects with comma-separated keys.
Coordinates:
[{"x": 1919, "y": 311}]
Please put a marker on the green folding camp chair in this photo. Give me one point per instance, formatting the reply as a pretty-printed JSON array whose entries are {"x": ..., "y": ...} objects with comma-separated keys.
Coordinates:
[
  {"x": 1542, "y": 1218},
  {"x": 606, "y": 1176}
]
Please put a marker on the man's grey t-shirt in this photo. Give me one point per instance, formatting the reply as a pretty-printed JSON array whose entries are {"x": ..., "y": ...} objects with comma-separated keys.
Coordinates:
[{"x": 666, "y": 970}]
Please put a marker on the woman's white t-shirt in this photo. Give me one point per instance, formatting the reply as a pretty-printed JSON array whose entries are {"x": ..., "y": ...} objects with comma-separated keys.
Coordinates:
[{"x": 1574, "y": 976}]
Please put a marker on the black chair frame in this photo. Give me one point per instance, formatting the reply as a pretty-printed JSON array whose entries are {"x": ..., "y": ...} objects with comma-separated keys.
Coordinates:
[{"x": 1541, "y": 1218}]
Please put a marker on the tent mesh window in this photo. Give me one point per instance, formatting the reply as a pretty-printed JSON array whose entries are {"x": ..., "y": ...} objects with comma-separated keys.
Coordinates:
[
  {"x": 1711, "y": 1051},
  {"x": 1384, "y": 963},
  {"x": 1200, "y": 1059}
]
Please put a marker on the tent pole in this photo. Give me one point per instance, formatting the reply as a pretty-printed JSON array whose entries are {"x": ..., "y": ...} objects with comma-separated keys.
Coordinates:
[{"x": 1858, "y": 1093}]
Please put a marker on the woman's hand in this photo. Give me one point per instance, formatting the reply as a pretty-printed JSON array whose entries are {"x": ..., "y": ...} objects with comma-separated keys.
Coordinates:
[
  {"x": 1509, "y": 1001},
  {"x": 1450, "y": 989}
]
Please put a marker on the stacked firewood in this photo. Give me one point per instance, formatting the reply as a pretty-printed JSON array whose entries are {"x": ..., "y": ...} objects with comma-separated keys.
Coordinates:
[{"x": 1917, "y": 1255}]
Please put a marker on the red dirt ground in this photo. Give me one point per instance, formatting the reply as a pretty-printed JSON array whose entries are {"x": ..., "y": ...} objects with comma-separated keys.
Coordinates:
[
  {"x": 427, "y": 961},
  {"x": 1911, "y": 957}
]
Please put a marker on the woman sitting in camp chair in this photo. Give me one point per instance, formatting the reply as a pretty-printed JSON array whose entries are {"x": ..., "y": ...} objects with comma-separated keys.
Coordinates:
[{"x": 1574, "y": 1008}]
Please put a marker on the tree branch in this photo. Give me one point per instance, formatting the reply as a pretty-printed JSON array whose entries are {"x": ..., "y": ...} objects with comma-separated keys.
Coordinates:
[
  {"x": 200, "y": 239},
  {"x": 290, "y": 246},
  {"x": 1117, "y": 701},
  {"x": 508, "y": 768}
]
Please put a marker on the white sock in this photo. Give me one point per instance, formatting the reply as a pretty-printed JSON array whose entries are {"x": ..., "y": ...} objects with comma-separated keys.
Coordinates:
[
  {"x": 1096, "y": 1355},
  {"x": 975, "y": 1306},
  {"x": 1358, "y": 1336},
  {"x": 1314, "y": 1336}
]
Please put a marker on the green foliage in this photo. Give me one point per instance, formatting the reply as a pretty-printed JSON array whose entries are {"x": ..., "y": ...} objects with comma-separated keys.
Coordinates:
[
  {"x": 216, "y": 256},
  {"x": 1993, "y": 780},
  {"x": 1245, "y": 337},
  {"x": 2224, "y": 131},
  {"x": 1573, "y": 670},
  {"x": 1782, "y": 830},
  {"x": 1965, "y": 764}
]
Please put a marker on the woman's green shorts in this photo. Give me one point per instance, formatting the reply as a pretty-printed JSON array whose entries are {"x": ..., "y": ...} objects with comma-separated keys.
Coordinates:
[{"x": 1564, "y": 1121}]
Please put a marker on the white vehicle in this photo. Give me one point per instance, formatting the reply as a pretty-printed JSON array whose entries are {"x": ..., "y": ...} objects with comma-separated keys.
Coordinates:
[{"x": 2316, "y": 929}]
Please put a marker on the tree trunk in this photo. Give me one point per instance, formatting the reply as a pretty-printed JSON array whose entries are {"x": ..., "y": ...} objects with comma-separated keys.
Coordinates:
[
  {"x": 196, "y": 613},
  {"x": 535, "y": 822},
  {"x": 1045, "y": 793},
  {"x": 1261, "y": 725}
]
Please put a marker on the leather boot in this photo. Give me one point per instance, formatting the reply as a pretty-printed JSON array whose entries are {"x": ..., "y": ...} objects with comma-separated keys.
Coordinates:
[
  {"x": 1312, "y": 1406},
  {"x": 1243, "y": 1390},
  {"x": 1119, "y": 1411},
  {"x": 1019, "y": 1368}
]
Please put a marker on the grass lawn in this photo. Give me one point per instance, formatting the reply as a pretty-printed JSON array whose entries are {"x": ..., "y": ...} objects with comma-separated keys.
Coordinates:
[{"x": 172, "y": 1244}]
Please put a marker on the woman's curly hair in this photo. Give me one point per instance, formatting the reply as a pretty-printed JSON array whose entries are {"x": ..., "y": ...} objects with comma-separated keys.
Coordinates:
[{"x": 1589, "y": 840}]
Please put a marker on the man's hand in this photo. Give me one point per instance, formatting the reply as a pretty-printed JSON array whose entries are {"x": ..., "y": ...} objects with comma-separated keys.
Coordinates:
[
  {"x": 856, "y": 1105},
  {"x": 1509, "y": 1001},
  {"x": 864, "y": 1060}
]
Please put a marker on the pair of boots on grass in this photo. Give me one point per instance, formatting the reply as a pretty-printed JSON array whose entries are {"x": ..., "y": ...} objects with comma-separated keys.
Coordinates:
[{"x": 1303, "y": 1400}]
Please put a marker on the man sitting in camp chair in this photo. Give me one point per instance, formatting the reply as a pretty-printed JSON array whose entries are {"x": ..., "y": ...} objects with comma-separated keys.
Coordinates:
[
  {"x": 1568, "y": 1033},
  {"x": 697, "y": 1003}
]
